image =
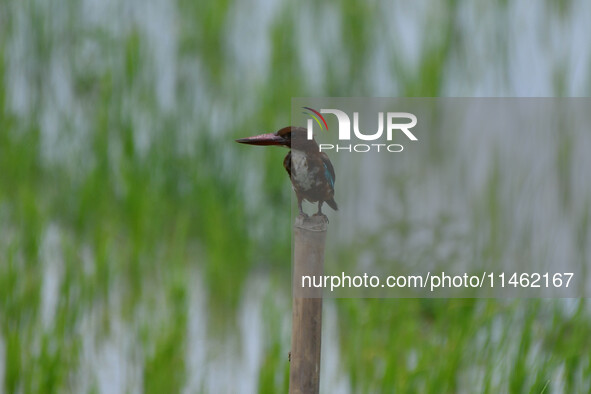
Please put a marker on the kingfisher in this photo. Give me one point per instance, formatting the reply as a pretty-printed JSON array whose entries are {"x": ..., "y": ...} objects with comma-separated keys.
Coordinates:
[{"x": 310, "y": 171}]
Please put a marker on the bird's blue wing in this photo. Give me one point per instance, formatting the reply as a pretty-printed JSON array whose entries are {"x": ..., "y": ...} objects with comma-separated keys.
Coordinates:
[{"x": 328, "y": 170}]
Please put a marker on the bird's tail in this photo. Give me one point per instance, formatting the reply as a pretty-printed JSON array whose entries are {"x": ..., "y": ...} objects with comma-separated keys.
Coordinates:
[{"x": 333, "y": 204}]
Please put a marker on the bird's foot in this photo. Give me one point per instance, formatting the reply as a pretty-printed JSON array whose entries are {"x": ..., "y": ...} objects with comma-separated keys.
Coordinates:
[
  {"x": 303, "y": 215},
  {"x": 322, "y": 216}
]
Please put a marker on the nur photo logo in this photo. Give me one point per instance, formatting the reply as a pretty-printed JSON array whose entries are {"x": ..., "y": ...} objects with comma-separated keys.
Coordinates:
[{"x": 395, "y": 122}]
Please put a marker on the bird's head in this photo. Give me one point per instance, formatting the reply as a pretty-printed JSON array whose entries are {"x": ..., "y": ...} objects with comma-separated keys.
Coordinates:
[{"x": 291, "y": 137}]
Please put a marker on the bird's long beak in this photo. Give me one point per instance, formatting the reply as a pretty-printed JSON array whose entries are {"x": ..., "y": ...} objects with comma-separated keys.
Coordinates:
[{"x": 263, "y": 139}]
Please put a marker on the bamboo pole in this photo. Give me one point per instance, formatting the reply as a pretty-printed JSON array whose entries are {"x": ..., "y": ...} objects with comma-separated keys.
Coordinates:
[{"x": 309, "y": 241}]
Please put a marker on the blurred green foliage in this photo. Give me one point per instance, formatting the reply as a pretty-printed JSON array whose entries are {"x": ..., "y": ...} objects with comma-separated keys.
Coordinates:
[{"x": 135, "y": 221}]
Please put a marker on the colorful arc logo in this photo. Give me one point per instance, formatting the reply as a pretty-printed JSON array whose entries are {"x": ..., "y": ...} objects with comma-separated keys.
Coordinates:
[{"x": 315, "y": 114}]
